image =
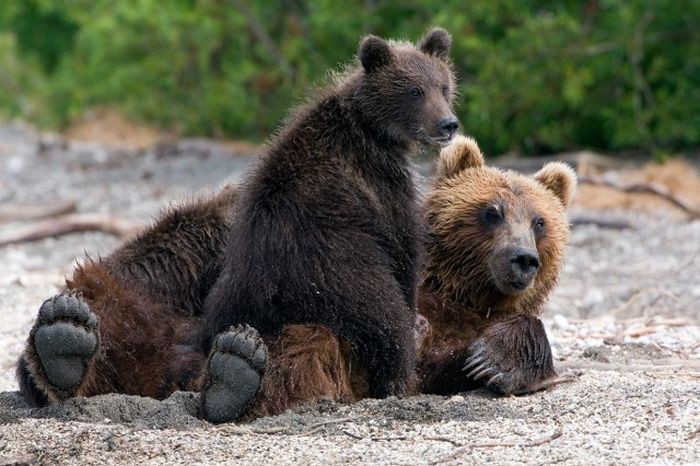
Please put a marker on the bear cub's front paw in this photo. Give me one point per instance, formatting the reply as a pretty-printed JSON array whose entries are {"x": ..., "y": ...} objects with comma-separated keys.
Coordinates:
[
  {"x": 65, "y": 339},
  {"x": 234, "y": 373}
]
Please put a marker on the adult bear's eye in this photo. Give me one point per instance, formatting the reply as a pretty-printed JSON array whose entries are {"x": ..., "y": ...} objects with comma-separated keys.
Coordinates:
[
  {"x": 538, "y": 224},
  {"x": 416, "y": 92},
  {"x": 493, "y": 215}
]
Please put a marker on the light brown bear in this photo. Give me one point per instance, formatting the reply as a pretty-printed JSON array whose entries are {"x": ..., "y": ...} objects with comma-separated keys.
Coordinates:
[{"x": 495, "y": 248}]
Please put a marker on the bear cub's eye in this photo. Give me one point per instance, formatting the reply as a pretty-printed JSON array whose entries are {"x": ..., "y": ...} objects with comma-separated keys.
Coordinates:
[
  {"x": 538, "y": 224},
  {"x": 416, "y": 92},
  {"x": 493, "y": 215},
  {"x": 445, "y": 90}
]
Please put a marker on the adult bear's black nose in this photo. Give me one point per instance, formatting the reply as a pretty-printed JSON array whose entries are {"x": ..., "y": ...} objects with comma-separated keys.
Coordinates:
[
  {"x": 525, "y": 261},
  {"x": 448, "y": 126}
]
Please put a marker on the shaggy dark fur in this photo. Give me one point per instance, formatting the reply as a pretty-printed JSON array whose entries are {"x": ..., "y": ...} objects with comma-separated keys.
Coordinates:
[
  {"x": 145, "y": 315},
  {"x": 327, "y": 234},
  {"x": 325, "y": 229}
]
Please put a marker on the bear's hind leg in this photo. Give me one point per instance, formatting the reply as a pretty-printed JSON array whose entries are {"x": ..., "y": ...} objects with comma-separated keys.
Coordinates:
[
  {"x": 306, "y": 363},
  {"x": 62, "y": 345},
  {"x": 233, "y": 374}
]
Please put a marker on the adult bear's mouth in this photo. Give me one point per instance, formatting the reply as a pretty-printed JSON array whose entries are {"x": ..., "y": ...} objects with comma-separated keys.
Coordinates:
[
  {"x": 518, "y": 285},
  {"x": 513, "y": 286}
]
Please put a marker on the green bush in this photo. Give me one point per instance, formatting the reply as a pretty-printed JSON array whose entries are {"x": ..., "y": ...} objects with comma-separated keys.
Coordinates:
[{"x": 536, "y": 76}]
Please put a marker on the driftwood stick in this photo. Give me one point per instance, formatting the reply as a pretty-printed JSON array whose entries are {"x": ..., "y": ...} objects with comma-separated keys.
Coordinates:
[
  {"x": 612, "y": 223},
  {"x": 466, "y": 448},
  {"x": 312, "y": 429},
  {"x": 71, "y": 223},
  {"x": 644, "y": 188},
  {"x": 689, "y": 365},
  {"x": 10, "y": 212},
  {"x": 576, "y": 159},
  {"x": 282, "y": 430}
]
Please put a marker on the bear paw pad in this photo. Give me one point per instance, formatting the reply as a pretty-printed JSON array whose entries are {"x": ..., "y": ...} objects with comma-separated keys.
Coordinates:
[
  {"x": 235, "y": 370},
  {"x": 65, "y": 340}
]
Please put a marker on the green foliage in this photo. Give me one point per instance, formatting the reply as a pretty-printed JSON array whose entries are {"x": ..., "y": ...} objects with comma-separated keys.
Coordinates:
[{"x": 536, "y": 75}]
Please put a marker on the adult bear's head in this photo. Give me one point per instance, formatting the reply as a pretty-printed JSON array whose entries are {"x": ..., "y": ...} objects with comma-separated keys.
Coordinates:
[
  {"x": 407, "y": 90},
  {"x": 496, "y": 238}
]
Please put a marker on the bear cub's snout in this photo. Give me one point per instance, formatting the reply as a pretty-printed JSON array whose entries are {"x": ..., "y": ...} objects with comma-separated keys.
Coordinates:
[{"x": 448, "y": 127}]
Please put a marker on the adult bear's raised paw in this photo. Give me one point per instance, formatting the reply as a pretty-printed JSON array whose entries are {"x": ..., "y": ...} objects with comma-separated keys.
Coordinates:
[
  {"x": 65, "y": 339},
  {"x": 512, "y": 357},
  {"x": 234, "y": 373}
]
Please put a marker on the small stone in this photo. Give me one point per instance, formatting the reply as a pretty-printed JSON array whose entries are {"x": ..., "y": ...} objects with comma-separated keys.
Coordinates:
[
  {"x": 593, "y": 297},
  {"x": 456, "y": 399},
  {"x": 560, "y": 322}
]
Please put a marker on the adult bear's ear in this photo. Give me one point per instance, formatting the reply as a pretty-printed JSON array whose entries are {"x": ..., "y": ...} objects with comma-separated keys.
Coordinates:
[
  {"x": 559, "y": 178},
  {"x": 374, "y": 52},
  {"x": 436, "y": 42},
  {"x": 462, "y": 153}
]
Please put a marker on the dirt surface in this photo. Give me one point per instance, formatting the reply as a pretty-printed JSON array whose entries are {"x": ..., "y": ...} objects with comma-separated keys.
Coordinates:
[{"x": 623, "y": 323}]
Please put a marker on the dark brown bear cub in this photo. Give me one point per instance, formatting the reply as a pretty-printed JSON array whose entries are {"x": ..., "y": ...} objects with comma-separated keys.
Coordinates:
[{"x": 325, "y": 231}]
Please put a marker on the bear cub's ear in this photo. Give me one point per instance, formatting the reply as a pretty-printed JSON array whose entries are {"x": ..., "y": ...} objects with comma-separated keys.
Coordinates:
[
  {"x": 374, "y": 53},
  {"x": 559, "y": 178},
  {"x": 462, "y": 153},
  {"x": 436, "y": 42}
]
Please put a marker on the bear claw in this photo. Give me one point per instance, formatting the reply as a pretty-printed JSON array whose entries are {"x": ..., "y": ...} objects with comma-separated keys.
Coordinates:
[
  {"x": 235, "y": 370},
  {"x": 508, "y": 366},
  {"x": 65, "y": 339}
]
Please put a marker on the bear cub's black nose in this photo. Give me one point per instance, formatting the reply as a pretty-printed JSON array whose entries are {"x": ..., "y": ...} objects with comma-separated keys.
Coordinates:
[
  {"x": 449, "y": 125},
  {"x": 525, "y": 260}
]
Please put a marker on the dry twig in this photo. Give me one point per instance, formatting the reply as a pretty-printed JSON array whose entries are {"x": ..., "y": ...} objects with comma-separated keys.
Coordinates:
[
  {"x": 10, "y": 212},
  {"x": 71, "y": 223},
  {"x": 612, "y": 223},
  {"x": 549, "y": 383},
  {"x": 401, "y": 437},
  {"x": 644, "y": 188},
  {"x": 466, "y": 448},
  {"x": 242, "y": 430},
  {"x": 312, "y": 429},
  {"x": 633, "y": 367},
  {"x": 637, "y": 294}
]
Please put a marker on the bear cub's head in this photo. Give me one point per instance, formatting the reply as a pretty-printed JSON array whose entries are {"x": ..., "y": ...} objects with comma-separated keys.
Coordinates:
[
  {"x": 407, "y": 90},
  {"x": 496, "y": 238}
]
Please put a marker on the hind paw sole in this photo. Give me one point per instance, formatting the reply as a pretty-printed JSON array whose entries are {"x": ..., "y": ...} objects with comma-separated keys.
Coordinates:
[{"x": 235, "y": 370}]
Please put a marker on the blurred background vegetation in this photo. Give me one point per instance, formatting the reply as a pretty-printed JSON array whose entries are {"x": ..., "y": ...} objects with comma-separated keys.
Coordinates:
[{"x": 536, "y": 76}]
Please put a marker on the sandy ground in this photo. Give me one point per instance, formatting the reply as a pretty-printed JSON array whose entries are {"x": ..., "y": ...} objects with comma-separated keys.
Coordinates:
[{"x": 624, "y": 322}]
